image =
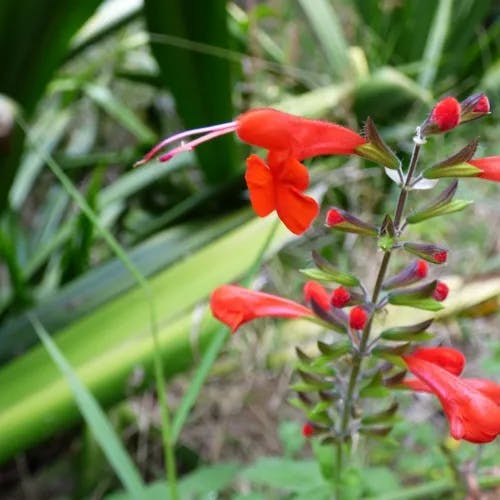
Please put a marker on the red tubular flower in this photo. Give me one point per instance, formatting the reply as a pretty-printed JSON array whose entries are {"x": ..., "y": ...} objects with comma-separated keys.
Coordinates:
[
  {"x": 413, "y": 272},
  {"x": 489, "y": 168},
  {"x": 358, "y": 318},
  {"x": 300, "y": 137},
  {"x": 234, "y": 306},
  {"x": 340, "y": 297},
  {"x": 472, "y": 414},
  {"x": 441, "y": 291},
  {"x": 313, "y": 290},
  {"x": 279, "y": 185}
]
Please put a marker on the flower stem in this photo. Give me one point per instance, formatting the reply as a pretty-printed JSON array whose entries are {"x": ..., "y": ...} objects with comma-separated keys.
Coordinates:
[{"x": 360, "y": 352}]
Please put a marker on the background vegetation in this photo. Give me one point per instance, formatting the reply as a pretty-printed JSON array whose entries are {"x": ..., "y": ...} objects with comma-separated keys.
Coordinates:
[{"x": 115, "y": 264}]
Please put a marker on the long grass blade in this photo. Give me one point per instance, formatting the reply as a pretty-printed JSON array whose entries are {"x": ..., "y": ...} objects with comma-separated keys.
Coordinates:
[
  {"x": 435, "y": 43},
  {"x": 94, "y": 416},
  {"x": 328, "y": 30}
]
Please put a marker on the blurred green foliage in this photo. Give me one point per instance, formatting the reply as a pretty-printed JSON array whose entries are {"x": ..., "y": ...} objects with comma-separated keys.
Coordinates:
[{"x": 97, "y": 92}]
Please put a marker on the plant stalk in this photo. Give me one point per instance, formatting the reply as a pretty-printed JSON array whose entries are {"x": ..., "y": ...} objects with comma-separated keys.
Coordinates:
[{"x": 359, "y": 353}]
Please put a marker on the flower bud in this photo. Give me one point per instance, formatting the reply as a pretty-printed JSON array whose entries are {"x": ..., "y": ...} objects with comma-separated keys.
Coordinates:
[
  {"x": 415, "y": 271},
  {"x": 337, "y": 218},
  {"x": 307, "y": 430},
  {"x": 340, "y": 297},
  {"x": 444, "y": 116},
  {"x": 441, "y": 291},
  {"x": 475, "y": 106},
  {"x": 358, "y": 318},
  {"x": 431, "y": 253}
]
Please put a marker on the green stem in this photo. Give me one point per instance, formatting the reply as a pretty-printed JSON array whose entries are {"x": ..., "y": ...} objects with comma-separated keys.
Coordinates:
[{"x": 359, "y": 353}]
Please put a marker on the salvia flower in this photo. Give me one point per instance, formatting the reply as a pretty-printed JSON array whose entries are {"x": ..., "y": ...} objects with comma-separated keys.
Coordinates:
[
  {"x": 444, "y": 116},
  {"x": 487, "y": 168},
  {"x": 357, "y": 318},
  {"x": 473, "y": 414},
  {"x": 279, "y": 182},
  {"x": 234, "y": 305}
]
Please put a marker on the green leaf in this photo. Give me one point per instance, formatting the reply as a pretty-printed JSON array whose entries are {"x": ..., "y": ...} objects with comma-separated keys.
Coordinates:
[
  {"x": 335, "y": 350},
  {"x": 435, "y": 42},
  {"x": 94, "y": 416},
  {"x": 30, "y": 56},
  {"x": 329, "y": 276},
  {"x": 120, "y": 112},
  {"x": 408, "y": 333},
  {"x": 374, "y": 388},
  {"x": 328, "y": 29}
]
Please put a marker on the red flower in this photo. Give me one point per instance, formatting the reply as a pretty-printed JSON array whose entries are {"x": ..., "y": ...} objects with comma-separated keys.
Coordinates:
[
  {"x": 471, "y": 406},
  {"x": 313, "y": 290},
  {"x": 234, "y": 306},
  {"x": 279, "y": 185},
  {"x": 340, "y": 297},
  {"x": 489, "y": 167},
  {"x": 300, "y": 137},
  {"x": 357, "y": 318}
]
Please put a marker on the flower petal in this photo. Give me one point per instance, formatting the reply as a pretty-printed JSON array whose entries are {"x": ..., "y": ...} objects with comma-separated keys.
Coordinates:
[
  {"x": 260, "y": 186},
  {"x": 296, "y": 210},
  {"x": 471, "y": 414},
  {"x": 489, "y": 166}
]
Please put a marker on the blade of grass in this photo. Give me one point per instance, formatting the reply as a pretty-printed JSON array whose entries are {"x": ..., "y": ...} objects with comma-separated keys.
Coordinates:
[
  {"x": 143, "y": 283},
  {"x": 96, "y": 419},
  {"x": 120, "y": 112},
  {"x": 328, "y": 30},
  {"x": 219, "y": 338},
  {"x": 435, "y": 43}
]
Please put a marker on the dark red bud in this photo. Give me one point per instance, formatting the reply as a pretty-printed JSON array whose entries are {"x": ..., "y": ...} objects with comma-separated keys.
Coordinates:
[
  {"x": 482, "y": 106},
  {"x": 340, "y": 297},
  {"x": 440, "y": 257},
  {"x": 422, "y": 269},
  {"x": 357, "y": 318},
  {"x": 334, "y": 217},
  {"x": 441, "y": 291}
]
